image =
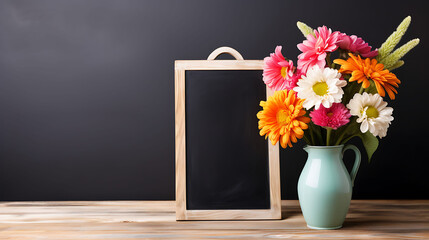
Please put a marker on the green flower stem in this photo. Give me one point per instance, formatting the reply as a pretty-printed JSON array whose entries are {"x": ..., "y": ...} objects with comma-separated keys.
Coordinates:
[
  {"x": 328, "y": 135},
  {"x": 328, "y": 59},
  {"x": 312, "y": 135},
  {"x": 319, "y": 129},
  {"x": 340, "y": 138},
  {"x": 306, "y": 140},
  {"x": 361, "y": 89}
]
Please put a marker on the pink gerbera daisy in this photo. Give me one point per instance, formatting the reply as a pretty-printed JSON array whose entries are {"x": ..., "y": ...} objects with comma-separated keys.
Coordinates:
[
  {"x": 356, "y": 45},
  {"x": 314, "y": 49},
  {"x": 334, "y": 117},
  {"x": 278, "y": 72}
]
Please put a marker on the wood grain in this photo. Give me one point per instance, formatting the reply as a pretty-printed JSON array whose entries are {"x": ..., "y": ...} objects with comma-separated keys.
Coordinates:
[
  {"x": 180, "y": 123},
  {"x": 274, "y": 168},
  {"x": 219, "y": 64},
  {"x": 391, "y": 219}
]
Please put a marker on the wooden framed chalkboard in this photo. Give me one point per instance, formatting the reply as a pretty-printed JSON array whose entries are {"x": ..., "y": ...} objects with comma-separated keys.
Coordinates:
[{"x": 224, "y": 169}]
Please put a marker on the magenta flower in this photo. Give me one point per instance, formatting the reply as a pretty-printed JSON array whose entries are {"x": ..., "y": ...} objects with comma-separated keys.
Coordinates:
[
  {"x": 314, "y": 49},
  {"x": 279, "y": 73},
  {"x": 356, "y": 45},
  {"x": 334, "y": 117}
]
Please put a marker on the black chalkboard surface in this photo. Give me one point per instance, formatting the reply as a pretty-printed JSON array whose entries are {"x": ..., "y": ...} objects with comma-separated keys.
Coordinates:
[
  {"x": 224, "y": 168},
  {"x": 226, "y": 159}
]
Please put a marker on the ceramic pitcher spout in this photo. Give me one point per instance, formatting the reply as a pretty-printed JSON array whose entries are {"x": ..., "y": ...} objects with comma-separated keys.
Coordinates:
[
  {"x": 335, "y": 149},
  {"x": 306, "y": 148}
]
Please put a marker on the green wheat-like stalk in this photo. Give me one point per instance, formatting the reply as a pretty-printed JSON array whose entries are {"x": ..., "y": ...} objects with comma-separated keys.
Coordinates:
[
  {"x": 396, "y": 65},
  {"x": 393, "y": 40},
  {"x": 305, "y": 29},
  {"x": 393, "y": 60}
]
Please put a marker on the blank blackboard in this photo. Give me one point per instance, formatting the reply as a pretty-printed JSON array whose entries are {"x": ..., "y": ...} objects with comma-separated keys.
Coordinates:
[
  {"x": 224, "y": 168},
  {"x": 227, "y": 160}
]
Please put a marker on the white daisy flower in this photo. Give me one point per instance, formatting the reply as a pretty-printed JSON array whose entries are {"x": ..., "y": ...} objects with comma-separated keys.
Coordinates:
[
  {"x": 320, "y": 86},
  {"x": 372, "y": 113}
]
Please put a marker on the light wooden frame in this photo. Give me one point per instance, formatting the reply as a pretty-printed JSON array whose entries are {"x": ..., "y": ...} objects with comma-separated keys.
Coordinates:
[{"x": 274, "y": 212}]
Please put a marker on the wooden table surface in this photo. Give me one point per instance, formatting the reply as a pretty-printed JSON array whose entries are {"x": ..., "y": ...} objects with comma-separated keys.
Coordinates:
[{"x": 379, "y": 219}]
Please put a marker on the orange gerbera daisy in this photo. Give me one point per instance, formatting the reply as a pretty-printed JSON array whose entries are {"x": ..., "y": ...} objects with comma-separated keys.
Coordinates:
[
  {"x": 282, "y": 118},
  {"x": 364, "y": 70}
]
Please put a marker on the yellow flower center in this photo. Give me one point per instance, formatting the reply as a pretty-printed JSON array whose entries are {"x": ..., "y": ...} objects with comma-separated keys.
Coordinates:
[
  {"x": 371, "y": 112},
  {"x": 283, "y": 72},
  {"x": 283, "y": 117},
  {"x": 330, "y": 114},
  {"x": 320, "y": 88}
]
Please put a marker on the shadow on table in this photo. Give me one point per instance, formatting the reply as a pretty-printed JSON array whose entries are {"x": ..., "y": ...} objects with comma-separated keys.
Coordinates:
[{"x": 290, "y": 211}]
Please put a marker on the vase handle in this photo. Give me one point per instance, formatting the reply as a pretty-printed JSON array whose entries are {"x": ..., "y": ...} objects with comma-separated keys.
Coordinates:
[{"x": 357, "y": 161}]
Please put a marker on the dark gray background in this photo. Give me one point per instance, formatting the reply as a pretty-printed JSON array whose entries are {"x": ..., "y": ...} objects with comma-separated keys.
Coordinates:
[{"x": 87, "y": 95}]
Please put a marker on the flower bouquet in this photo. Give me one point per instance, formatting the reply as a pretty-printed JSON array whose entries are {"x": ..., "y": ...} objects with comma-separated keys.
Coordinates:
[
  {"x": 336, "y": 92},
  {"x": 333, "y": 100}
]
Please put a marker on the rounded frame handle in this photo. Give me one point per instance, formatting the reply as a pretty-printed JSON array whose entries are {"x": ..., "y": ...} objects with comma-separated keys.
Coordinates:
[
  {"x": 356, "y": 163},
  {"x": 222, "y": 50}
]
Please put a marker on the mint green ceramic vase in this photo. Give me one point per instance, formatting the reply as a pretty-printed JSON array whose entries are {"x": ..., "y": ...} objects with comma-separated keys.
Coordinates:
[{"x": 325, "y": 186}]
